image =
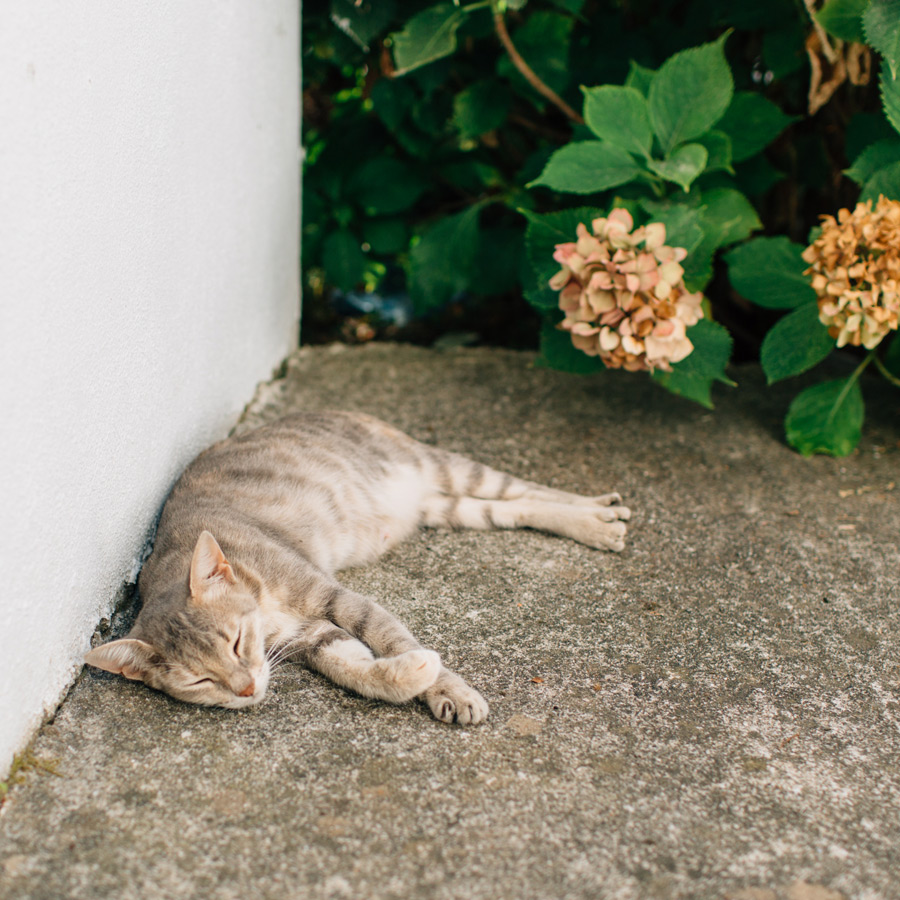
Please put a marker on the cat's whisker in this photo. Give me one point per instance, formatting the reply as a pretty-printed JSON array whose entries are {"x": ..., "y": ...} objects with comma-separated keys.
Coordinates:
[{"x": 279, "y": 652}]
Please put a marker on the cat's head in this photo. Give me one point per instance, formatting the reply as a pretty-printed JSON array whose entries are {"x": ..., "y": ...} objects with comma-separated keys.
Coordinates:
[{"x": 205, "y": 644}]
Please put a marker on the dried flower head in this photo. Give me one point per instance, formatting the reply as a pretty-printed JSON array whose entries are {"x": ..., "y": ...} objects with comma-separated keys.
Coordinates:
[
  {"x": 855, "y": 268},
  {"x": 623, "y": 294}
]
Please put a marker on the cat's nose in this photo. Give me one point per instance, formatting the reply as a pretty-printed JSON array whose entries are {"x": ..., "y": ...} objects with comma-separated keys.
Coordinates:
[{"x": 248, "y": 691}]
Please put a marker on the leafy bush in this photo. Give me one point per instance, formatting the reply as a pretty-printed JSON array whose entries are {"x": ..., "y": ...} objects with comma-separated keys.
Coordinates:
[{"x": 451, "y": 148}]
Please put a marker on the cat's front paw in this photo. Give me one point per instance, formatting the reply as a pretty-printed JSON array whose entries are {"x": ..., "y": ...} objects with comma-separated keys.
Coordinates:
[
  {"x": 409, "y": 674},
  {"x": 452, "y": 700}
]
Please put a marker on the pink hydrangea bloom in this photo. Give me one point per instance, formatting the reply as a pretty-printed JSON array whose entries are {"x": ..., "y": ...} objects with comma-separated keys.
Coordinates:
[{"x": 623, "y": 294}]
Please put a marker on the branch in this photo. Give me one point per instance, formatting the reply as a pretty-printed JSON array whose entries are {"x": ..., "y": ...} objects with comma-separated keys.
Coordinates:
[
  {"x": 528, "y": 73},
  {"x": 886, "y": 372},
  {"x": 827, "y": 49}
]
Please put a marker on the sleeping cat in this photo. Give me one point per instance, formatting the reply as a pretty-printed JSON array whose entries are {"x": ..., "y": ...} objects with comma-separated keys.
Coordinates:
[{"x": 250, "y": 538}]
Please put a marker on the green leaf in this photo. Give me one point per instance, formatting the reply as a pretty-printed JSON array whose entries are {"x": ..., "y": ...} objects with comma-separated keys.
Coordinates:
[
  {"x": 497, "y": 261},
  {"x": 470, "y": 174},
  {"x": 782, "y": 48},
  {"x": 586, "y": 167},
  {"x": 541, "y": 296},
  {"x": 881, "y": 22},
  {"x": 639, "y": 77},
  {"x": 864, "y": 129},
  {"x": 570, "y": 6},
  {"x": 890, "y": 96},
  {"x": 619, "y": 115},
  {"x": 843, "y": 19},
  {"x": 692, "y": 387},
  {"x": 385, "y": 185},
  {"x": 689, "y": 93},
  {"x": 891, "y": 358},
  {"x": 427, "y": 36},
  {"x": 769, "y": 273},
  {"x": 885, "y": 181},
  {"x": 386, "y": 236},
  {"x": 441, "y": 263},
  {"x": 712, "y": 350},
  {"x": 481, "y": 107},
  {"x": 682, "y": 223},
  {"x": 542, "y": 235},
  {"x": 392, "y": 100},
  {"x": 876, "y": 156},
  {"x": 545, "y": 231},
  {"x": 557, "y": 352},
  {"x": 752, "y": 122},
  {"x": 682, "y": 165},
  {"x": 727, "y": 216},
  {"x": 718, "y": 150},
  {"x": 796, "y": 342},
  {"x": 364, "y": 21},
  {"x": 826, "y": 418},
  {"x": 431, "y": 113},
  {"x": 721, "y": 216},
  {"x": 693, "y": 377},
  {"x": 343, "y": 259},
  {"x": 756, "y": 176}
]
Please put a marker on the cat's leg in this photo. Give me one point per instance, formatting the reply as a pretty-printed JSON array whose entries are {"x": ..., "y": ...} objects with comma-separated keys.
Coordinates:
[
  {"x": 596, "y": 526},
  {"x": 346, "y": 661},
  {"x": 458, "y": 476},
  {"x": 449, "y": 697}
]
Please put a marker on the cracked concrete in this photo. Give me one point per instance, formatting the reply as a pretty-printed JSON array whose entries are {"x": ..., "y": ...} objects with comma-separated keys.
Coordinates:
[{"x": 713, "y": 713}]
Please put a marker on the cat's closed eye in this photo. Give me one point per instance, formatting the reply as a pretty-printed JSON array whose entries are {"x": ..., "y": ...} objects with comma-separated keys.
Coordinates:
[
  {"x": 235, "y": 647},
  {"x": 200, "y": 682}
]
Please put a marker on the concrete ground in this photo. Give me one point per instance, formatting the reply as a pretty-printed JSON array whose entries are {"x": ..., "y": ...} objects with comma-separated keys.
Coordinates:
[{"x": 714, "y": 713}]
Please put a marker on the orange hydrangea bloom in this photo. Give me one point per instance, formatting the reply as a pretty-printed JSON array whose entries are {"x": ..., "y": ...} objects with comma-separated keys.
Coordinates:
[{"x": 855, "y": 269}]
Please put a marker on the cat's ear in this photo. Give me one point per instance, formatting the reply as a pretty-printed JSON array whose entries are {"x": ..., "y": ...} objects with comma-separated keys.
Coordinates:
[
  {"x": 128, "y": 656},
  {"x": 209, "y": 568}
]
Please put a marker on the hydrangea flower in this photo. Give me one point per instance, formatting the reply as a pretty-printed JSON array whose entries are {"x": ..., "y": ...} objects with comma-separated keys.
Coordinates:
[
  {"x": 855, "y": 268},
  {"x": 623, "y": 294}
]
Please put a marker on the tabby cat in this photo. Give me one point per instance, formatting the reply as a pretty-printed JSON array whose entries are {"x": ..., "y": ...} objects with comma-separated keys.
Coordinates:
[{"x": 250, "y": 538}]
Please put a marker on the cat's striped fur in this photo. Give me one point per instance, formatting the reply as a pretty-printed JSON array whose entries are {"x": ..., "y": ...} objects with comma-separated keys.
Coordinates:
[{"x": 250, "y": 538}]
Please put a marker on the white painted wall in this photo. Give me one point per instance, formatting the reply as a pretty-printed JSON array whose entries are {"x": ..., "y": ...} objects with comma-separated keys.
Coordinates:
[{"x": 149, "y": 206}]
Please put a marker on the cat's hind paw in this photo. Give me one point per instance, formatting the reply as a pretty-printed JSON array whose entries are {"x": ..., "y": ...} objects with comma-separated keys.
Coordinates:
[
  {"x": 452, "y": 700},
  {"x": 612, "y": 513},
  {"x": 601, "y": 534},
  {"x": 610, "y": 507}
]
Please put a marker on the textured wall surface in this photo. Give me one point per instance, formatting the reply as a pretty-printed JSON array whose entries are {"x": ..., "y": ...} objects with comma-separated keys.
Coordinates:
[{"x": 148, "y": 280}]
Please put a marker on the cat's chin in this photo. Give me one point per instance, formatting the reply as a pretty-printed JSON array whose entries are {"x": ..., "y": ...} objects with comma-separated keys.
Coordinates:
[{"x": 243, "y": 702}]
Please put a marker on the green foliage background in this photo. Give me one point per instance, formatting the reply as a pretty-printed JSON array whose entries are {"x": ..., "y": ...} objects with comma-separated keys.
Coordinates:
[{"x": 434, "y": 167}]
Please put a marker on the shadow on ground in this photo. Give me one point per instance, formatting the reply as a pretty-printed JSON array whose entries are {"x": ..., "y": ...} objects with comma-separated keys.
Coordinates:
[{"x": 713, "y": 713}]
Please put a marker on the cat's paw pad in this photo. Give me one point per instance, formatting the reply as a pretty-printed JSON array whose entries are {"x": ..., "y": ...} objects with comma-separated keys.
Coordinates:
[{"x": 454, "y": 701}]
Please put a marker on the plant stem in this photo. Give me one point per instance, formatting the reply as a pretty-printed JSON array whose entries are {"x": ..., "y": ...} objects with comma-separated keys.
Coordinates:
[
  {"x": 886, "y": 372},
  {"x": 854, "y": 377},
  {"x": 527, "y": 72}
]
